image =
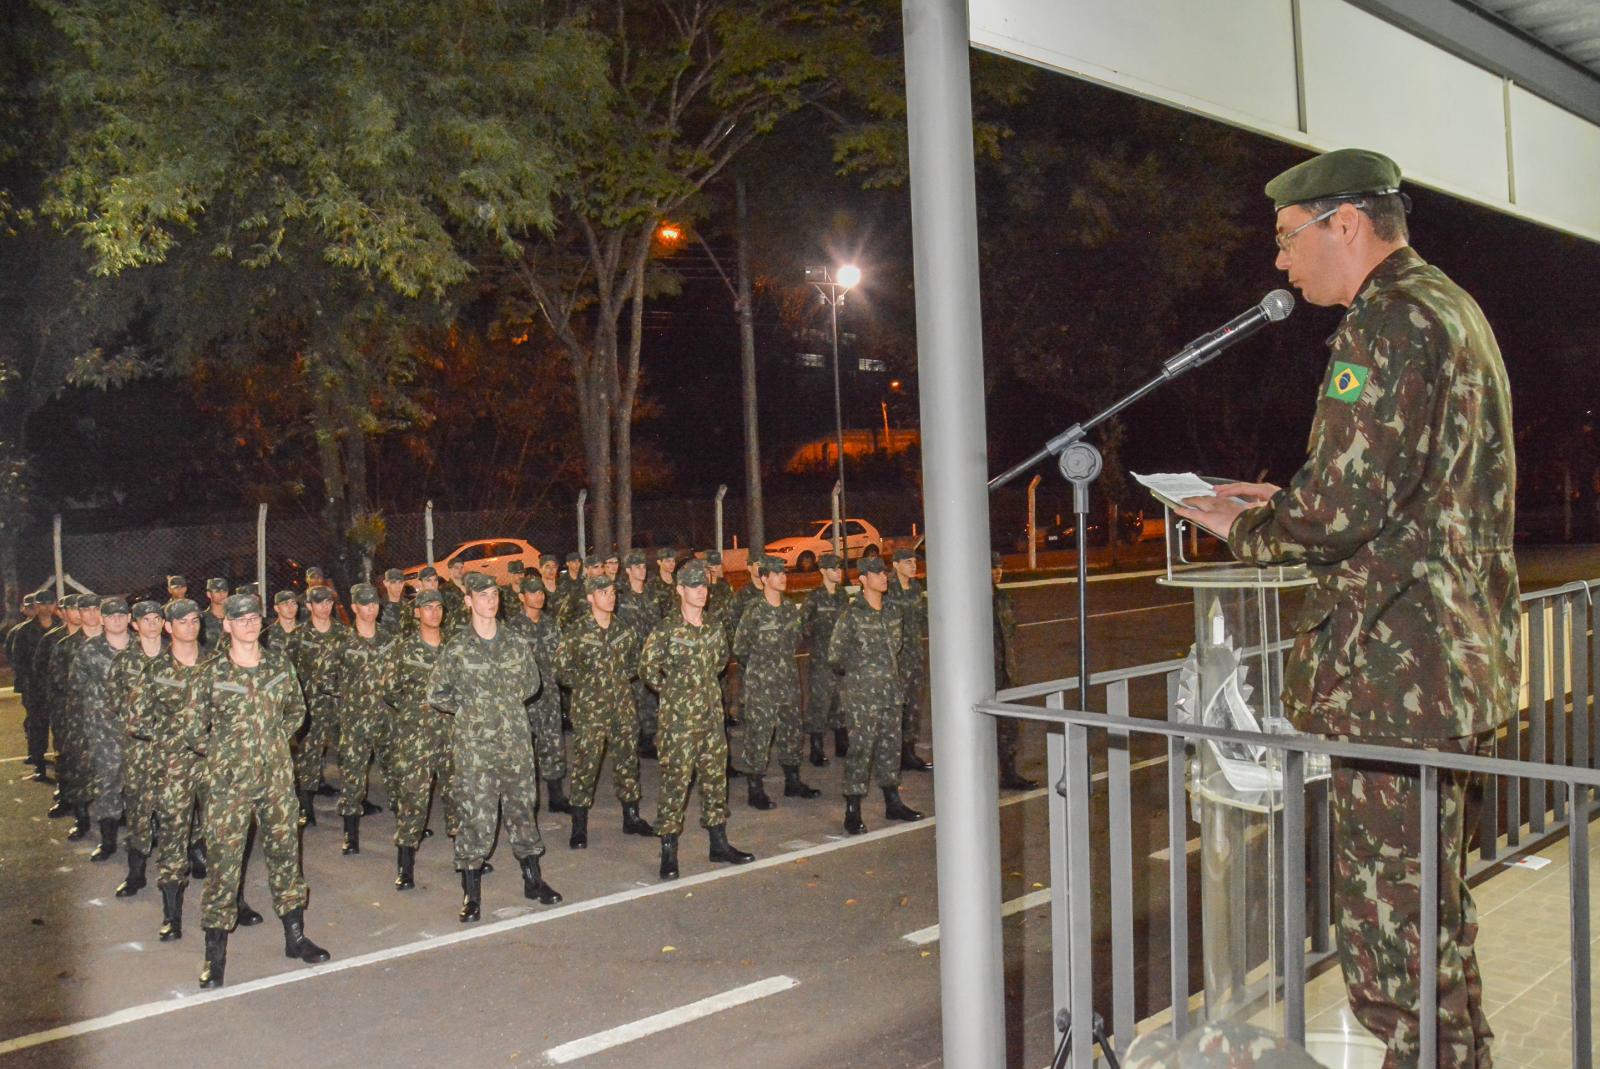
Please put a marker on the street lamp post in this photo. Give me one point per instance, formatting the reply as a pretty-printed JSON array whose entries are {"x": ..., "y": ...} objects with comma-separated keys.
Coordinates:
[{"x": 832, "y": 286}]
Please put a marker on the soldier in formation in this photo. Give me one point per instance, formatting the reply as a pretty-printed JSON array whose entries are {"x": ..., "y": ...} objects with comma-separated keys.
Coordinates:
[
  {"x": 1005, "y": 675},
  {"x": 818, "y": 614},
  {"x": 363, "y": 723},
  {"x": 99, "y": 723},
  {"x": 636, "y": 606},
  {"x": 316, "y": 652},
  {"x": 906, "y": 595},
  {"x": 211, "y": 621},
  {"x": 22, "y": 649},
  {"x": 765, "y": 645},
  {"x": 285, "y": 621},
  {"x": 538, "y": 629},
  {"x": 139, "y": 760},
  {"x": 419, "y": 734},
  {"x": 394, "y": 612}
]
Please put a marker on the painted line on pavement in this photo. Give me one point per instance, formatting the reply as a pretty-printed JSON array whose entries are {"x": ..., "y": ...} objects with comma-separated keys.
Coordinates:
[
  {"x": 482, "y": 930},
  {"x": 660, "y": 1022},
  {"x": 1114, "y": 612},
  {"x": 930, "y": 934}
]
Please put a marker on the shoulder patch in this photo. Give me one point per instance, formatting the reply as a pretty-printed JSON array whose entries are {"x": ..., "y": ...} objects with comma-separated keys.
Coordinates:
[{"x": 1347, "y": 381}]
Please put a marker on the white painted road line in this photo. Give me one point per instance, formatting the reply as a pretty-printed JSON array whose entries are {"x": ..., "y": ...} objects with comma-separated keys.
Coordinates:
[
  {"x": 930, "y": 934},
  {"x": 660, "y": 1022},
  {"x": 479, "y": 931},
  {"x": 1114, "y": 612}
]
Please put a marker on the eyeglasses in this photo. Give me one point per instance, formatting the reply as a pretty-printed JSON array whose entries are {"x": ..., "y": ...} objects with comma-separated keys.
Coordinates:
[{"x": 1283, "y": 240}]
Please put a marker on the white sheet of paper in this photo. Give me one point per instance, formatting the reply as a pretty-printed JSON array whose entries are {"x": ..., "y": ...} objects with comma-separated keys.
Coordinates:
[{"x": 1173, "y": 488}]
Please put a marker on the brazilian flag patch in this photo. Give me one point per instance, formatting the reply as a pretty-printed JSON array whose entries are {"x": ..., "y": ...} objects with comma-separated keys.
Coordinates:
[{"x": 1347, "y": 382}]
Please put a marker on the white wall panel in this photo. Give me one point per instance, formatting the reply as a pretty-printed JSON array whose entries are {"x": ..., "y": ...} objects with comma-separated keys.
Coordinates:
[{"x": 1542, "y": 133}]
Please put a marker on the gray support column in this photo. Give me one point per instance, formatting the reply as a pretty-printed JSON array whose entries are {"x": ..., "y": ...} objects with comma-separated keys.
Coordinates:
[{"x": 955, "y": 475}]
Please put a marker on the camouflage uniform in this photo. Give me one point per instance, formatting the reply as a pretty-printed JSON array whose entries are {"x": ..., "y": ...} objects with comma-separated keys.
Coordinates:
[
  {"x": 765, "y": 645},
  {"x": 99, "y": 725},
  {"x": 419, "y": 738},
  {"x": 241, "y": 721},
  {"x": 363, "y": 718},
  {"x": 1005, "y": 671},
  {"x": 484, "y": 684},
  {"x": 318, "y": 660},
  {"x": 599, "y": 664},
  {"x": 140, "y": 777},
  {"x": 1404, "y": 514},
  {"x": 544, "y": 711},
  {"x": 682, "y": 663},
  {"x": 396, "y": 617},
  {"x": 638, "y": 611},
  {"x": 867, "y": 646},
  {"x": 66, "y": 719},
  {"x": 912, "y": 603},
  {"x": 819, "y": 613},
  {"x": 157, "y": 717},
  {"x": 26, "y": 640}
]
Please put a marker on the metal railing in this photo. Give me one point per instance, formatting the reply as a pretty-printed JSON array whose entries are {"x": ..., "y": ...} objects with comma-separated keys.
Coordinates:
[{"x": 1545, "y": 766}]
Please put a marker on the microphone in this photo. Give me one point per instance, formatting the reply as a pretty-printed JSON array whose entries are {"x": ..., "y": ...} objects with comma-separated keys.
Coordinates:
[{"x": 1274, "y": 307}]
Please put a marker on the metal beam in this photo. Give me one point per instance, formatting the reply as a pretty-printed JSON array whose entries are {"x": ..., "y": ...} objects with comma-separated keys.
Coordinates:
[{"x": 955, "y": 472}]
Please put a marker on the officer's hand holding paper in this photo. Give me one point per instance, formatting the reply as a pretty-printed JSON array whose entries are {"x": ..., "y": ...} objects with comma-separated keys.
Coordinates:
[{"x": 1213, "y": 506}]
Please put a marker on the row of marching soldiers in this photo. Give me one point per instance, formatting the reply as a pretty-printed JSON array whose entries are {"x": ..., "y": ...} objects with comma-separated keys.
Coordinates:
[{"x": 194, "y": 726}]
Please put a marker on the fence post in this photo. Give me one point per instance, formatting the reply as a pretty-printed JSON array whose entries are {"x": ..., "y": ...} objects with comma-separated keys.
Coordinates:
[
  {"x": 427, "y": 531},
  {"x": 1033, "y": 523},
  {"x": 722, "y": 492},
  {"x": 261, "y": 555},
  {"x": 583, "y": 540},
  {"x": 55, "y": 538}
]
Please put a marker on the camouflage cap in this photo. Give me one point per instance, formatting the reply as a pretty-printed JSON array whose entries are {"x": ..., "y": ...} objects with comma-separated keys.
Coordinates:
[
  {"x": 531, "y": 584},
  {"x": 633, "y": 557},
  {"x": 174, "y": 581},
  {"x": 319, "y": 593},
  {"x": 427, "y": 597},
  {"x": 905, "y": 553},
  {"x": 283, "y": 597},
  {"x": 574, "y": 556},
  {"x": 872, "y": 566},
  {"x": 1345, "y": 172},
  {"x": 394, "y": 575},
  {"x": 145, "y": 608},
  {"x": 178, "y": 608},
  {"x": 314, "y": 574},
  {"x": 69, "y": 601},
  {"x": 516, "y": 567},
  {"x": 114, "y": 606},
  {"x": 829, "y": 560},
  {"x": 239, "y": 605},
  {"x": 693, "y": 573},
  {"x": 593, "y": 560},
  {"x": 216, "y": 585},
  {"x": 591, "y": 583},
  {"x": 666, "y": 553},
  {"x": 612, "y": 554},
  {"x": 994, "y": 561},
  {"x": 27, "y": 601},
  {"x": 478, "y": 581},
  {"x": 714, "y": 557},
  {"x": 456, "y": 563},
  {"x": 549, "y": 558},
  {"x": 430, "y": 572},
  {"x": 44, "y": 597},
  {"x": 771, "y": 565},
  {"x": 363, "y": 594},
  {"x": 86, "y": 601}
]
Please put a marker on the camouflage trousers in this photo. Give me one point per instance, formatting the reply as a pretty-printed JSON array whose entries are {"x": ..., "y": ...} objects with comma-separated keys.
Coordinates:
[
  {"x": 321, "y": 735},
  {"x": 544, "y": 724},
  {"x": 139, "y": 789},
  {"x": 692, "y": 751},
  {"x": 36, "y": 727},
  {"x": 771, "y": 722},
  {"x": 822, "y": 697},
  {"x": 421, "y": 759},
  {"x": 1378, "y": 901},
  {"x": 73, "y": 772},
  {"x": 229, "y": 814},
  {"x": 363, "y": 742},
  {"x": 874, "y": 747},
  {"x": 916, "y": 684},
  {"x": 594, "y": 731},
  {"x": 180, "y": 811},
  {"x": 649, "y": 705},
  {"x": 102, "y": 736},
  {"x": 490, "y": 787}
]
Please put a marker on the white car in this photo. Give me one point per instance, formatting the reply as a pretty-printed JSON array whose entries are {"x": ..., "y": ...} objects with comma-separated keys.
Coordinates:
[
  {"x": 491, "y": 555},
  {"x": 861, "y": 539}
]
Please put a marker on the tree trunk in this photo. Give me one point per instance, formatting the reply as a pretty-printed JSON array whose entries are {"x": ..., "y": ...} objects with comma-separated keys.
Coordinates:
[
  {"x": 326, "y": 427},
  {"x": 628, "y": 385},
  {"x": 754, "y": 518}
]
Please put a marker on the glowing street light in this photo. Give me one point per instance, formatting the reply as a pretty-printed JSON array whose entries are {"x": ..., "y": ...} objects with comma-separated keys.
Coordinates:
[{"x": 833, "y": 286}]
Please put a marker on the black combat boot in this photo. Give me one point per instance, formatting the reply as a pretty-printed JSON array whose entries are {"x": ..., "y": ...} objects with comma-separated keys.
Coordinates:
[
  {"x": 326, "y": 790},
  {"x": 368, "y": 809},
  {"x": 895, "y": 809},
  {"x": 352, "y": 835},
  {"x": 793, "y": 787},
  {"x": 721, "y": 850},
  {"x": 819, "y": 759},
  {"x": 757, "y": 794},
  {"x": 1012, "y": 780},
  {"x": 557, "y": 798},
  {"x": 911, "y": 761},
  {"x": 647, "y": 746},
  {"x": 295, "y": 943},
  {"x": 171, "y": 912},
  {"x": 669, "y": 857},
  {"x": 633, "y": 823},
  {"x": 248, "y": 918},
  {"x": 197, "y": 859},
  {"x": 853, "y": 824},
  {"x": 471, "y": 894},
  {"x": 841, "y": 741},
  {"x": 80, "y": 824},
  {"x": 308, "y": 812},
  {"x": 135, "y": 881},
  {"x": 533, "y": 885},
  {"x": 58, "y": 806},
  {"x": 216, "y": 958},
  {"x": 404, "y": 877},
  {"x": 580, "y": 828},
  {"x": 108, "y": 840}
]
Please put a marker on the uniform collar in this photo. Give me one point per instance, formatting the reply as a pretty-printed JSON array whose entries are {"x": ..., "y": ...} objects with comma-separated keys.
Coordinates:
[{"x": 1388, "y": 271}]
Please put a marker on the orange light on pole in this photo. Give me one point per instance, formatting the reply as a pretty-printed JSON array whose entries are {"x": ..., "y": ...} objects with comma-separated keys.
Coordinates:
[{"x": 669, "y": 233}]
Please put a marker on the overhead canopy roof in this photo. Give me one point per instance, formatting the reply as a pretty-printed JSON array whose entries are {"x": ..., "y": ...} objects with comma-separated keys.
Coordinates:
[{"x": 1495, "y": 101}]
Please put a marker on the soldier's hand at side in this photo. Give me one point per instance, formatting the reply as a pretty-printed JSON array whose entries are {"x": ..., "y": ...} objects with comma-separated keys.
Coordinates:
[{"x": 1255, "y": 493}]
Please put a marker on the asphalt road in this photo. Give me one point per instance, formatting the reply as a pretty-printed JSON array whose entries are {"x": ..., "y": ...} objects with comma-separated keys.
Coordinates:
[{"x": 800, "y": 959}]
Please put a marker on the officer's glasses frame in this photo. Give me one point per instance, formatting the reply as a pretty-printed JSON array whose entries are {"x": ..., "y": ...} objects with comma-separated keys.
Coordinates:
[{"x": 1283, "y": 240}]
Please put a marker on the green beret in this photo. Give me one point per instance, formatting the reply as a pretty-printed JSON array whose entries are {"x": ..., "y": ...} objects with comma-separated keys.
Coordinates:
[
  {"x": 430, "y": 572},
  {"x": 771, "y": 565},
  {"x": 872, "y": 566},
  {"x": 178, "y": 609},
  {"x": 319, "y": 593},
  {"x": 46, "y": 596},
  {"x": 113, "y": 606},
  {"x": 177, "y": 581},
  {"x": 633, "y": 557},
  {"x": 515, "y": 567},
  {"x": 476, "y": 581},
  {"x": 283, "y": 596},
  {"x": 427, "y": 597},
  {"x": 903, "y": 553},
  {"x": 531, "y": 584},
  {"x": 144, "y": 608},
  {"x": 218, "y": 584},
  {"x": 693, "y": 573},
  {"x": 239, "y": 605},
  {"x": 666, "y": 553},
  {"x": 363, "y": 594},
  {"x": 1345, "y": 172},
  {"x": 828, "y": 560},
  {"x": 591, "y": 583},
  {"x": 549, "y": 558},
  {"x": 394, "y": 575},
  {"x": 714, "y": 556}
]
